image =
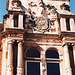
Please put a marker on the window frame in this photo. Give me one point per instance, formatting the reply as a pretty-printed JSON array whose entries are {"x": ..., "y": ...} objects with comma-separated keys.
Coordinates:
[
  {"x": 53, "y": 63},
  {"x": 53, "y": 60},
  {"x": 32, "y": 59},
  {"x": 47, "y": 60}
]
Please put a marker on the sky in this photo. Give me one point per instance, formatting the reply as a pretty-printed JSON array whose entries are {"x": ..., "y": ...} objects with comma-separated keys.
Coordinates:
[{"x": 3, "y": 8}]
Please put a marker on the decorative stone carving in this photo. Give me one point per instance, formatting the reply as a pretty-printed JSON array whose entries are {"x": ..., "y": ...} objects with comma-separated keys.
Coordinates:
[
  {"x": 44, "y": 22},
  {"x": 32, "y": 4},
  {"x": 68, "y": 71},
  {"x": 9, "y": 70},
  {"x": 43, "y": 40},
  {"x": 65, "y": 7},
  {"x": 41, "y": 24},
  {"x": 70, "y": 38},
  {"x": 41, "y": 4},
  {"x": 16, "y": 3},
  {"x": 20, "y": 71},
  {"x": 50, "y": 7},
  {"x": 6, "y": 16},
  {"x": 51, "y": 10}
]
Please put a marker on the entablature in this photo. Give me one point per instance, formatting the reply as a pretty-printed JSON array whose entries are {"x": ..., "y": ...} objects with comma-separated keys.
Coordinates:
[{"x": 67, "y": 15}]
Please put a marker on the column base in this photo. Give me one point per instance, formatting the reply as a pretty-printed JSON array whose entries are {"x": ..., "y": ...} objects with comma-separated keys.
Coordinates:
[
  {"x": 20, "y": 71},
  {"x": 9, "y": 70},
  {"x": 68, "y": 71}
]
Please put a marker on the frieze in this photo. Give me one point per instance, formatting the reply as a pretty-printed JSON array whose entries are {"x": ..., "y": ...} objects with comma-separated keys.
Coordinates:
[
  {"x": 42, "y": 40},
  {"x": 69, "y": 38}
]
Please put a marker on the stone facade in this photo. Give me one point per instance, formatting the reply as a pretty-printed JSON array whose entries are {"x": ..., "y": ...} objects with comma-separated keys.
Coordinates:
[{"x": 41, "y": 24}]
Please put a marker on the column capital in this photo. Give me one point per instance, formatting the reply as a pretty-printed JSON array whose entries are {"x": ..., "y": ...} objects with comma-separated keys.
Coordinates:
[
  {"x": 68, "y": 43},
  {"x": 20, "y": 41},
  {"x": 3, "y": 40},
  {"x": 11, "y": 41}
]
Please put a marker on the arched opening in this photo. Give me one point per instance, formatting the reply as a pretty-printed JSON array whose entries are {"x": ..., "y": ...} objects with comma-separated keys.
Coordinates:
[
  {"x": 52, "y": 58},
  {"x": 33, "y": 61},
  {"x": 33, "y": 52},
  {"x": 52, "y": 53}
]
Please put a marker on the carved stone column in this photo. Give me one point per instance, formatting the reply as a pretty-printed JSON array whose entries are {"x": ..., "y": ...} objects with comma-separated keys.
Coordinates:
[
  {"x": 10, "y": 58},
  {"x": 20, "y": 65},
  {"x": 68, "y": 70},
  {"x": 63, "y": 24},
  {"x": 43, "y": 61},
  {"x": 74, "y": 56}
]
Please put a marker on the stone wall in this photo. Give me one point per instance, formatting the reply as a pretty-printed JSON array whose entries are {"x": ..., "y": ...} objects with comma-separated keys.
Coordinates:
[
  {"x": 0, "y": 61},
  {"x": 1, "y": 29}
]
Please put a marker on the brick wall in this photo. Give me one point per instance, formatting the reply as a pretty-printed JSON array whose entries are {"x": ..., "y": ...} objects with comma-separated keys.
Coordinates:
[{"x": 0, "y": 61}]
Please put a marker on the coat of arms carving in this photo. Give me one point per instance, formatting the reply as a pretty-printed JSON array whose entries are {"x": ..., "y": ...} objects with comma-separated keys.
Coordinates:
[{"x": 41, "y": 24}]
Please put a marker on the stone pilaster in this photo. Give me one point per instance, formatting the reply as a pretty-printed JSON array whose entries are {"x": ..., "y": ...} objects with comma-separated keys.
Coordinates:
[
  {"x": 3, "y": 57},
  {"x": 68, "y": 70},
  {"x": 43, "y": 61},
  {"x": 63, "y": 24},
  {"x": 56, "y": 25},
  {"x": 74, "y": 56},
  {"x": 12, "y": 21},
  {"x": 10, "y": 58},
  {"x": 20, "y": 64},
  {"x": 72, "y": 25},
  {"x": 20, "y": 21}
]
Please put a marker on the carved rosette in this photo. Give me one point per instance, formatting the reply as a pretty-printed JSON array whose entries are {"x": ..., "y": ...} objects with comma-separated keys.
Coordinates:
[
  {"x": 9, "y": 70},
  {"x": 68, "y": 71},
  {"x": 20, "y": 71}
]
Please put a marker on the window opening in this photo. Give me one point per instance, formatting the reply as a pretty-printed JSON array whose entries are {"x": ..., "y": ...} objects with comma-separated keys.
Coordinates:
[
  {"x": 33, "y": 52},
  {"x": 33, "y": 68},
  {"x": 33, "y": 62},
  {"x": 67, "y": 23},
  {"x": 51, "y": 53},
  {"x": 15, "y": 20},
  {"x": 53, "y": 68},
  {"x": 52, "y": 59}
]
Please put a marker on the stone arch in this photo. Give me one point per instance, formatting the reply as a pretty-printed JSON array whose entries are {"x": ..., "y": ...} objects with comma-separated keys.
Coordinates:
[
  {"x": 38, "y": 48},
  {"x": 52, "y": 48},
  {"x": 52, "y": 53}
]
